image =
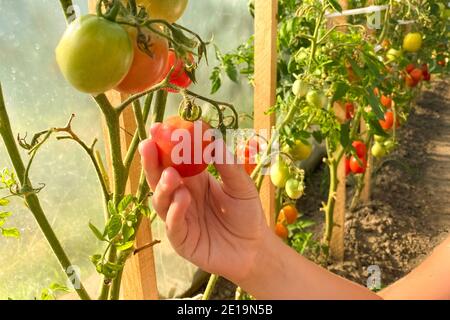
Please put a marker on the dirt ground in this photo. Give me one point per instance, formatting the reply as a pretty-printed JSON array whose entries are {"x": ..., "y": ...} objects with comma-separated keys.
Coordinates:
[{"x": 410, "y": 209}]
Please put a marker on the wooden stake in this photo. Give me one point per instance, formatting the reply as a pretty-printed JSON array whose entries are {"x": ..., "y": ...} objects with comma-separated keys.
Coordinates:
[
  {"x": 337, "y": 246},
  {"x": 265, "y": 84},
  {"x": 139, "y": 278}
]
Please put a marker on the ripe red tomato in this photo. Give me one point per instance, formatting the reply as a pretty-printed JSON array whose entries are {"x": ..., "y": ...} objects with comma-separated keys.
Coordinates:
[
  {"x": 349, "y": 110},
  {"x": 355, "y": 167},
  {"x": 179, "y": 76},
  {"x": 442, "y": 63},
  {"x": 148, "y": 68},
  {"x": 176, "y": 148},
  {"x": 410, "y": 82},
  {"x": 410, "y": 67},
  {"x": 247, "y": 153},
  {"x": 417, "y": 74},
  {"x": 388, "y": 121},
  {"x": 360, "y": 147},
  {"x": 386, "y": 101},
  {"x": 347, "y": 166},
  {"x": 281, "y": 231}
]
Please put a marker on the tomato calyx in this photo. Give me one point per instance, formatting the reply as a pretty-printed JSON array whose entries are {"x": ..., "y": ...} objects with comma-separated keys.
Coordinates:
[
  {"x": 189, "y": 110},
  {"x": 112, "y": 12}
]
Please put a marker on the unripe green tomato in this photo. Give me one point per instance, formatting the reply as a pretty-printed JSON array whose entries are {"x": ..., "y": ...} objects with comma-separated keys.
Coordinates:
[
  {"x": 393, "y": 54},
  {"x": 412, "y": 42},
  {"x": 294, "y": 189},
  {"x": 279, "y": 173},
  {"x": 300, "y": 88},
  {"x": 299, "y": 152},
  {"x": 94, "y": 54},
  {"x": 389, "y": 145},
  {"x": 378, "y": 150},
  {"x": 314, "y": 98},
  {"x": 379, "y": 138}
]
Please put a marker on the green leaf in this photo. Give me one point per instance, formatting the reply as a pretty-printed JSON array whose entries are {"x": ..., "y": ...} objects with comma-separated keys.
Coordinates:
[
  {"x": 125, "y": 246},
  {"x": 125, "y": 203},
  {"x": 374, "y": 103},
  {"x": 4, "y": 202},
  {"x": 231, "y": 71},
  {"x": 356, "y": 69},
  {"x": 335, "y": 4},
  {"x": 96, "y": 258},
  {"x": 96, "y": 232},
  {"x": 112, "y": 208},
  {"x": 114, "y": 226},
  {"x": 59, "y": 287},
  {"x": 340, "y": 90},
  {"x": 345, "y": 135},
  {"x": 2, "y": 222},
  {"x": 127, "y": 232},
  {"x": 11, "y": 233},
  {"x": 216, "y": 80}
]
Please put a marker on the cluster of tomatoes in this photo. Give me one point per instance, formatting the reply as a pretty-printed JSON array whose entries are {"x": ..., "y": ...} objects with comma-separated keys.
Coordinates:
[
  {"x": 357, "y": 163},
  {"x": 414, "y": 75},
  {"x": 287, "y": 215},
  {"x": 96, "y": 54}
]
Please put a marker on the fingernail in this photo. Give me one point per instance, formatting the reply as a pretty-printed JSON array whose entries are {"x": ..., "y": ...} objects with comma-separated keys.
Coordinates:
[{"x": 141, "y": 147}]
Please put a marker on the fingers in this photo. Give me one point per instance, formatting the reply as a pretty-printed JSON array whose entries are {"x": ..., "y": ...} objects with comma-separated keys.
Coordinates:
[
  {"x": 236, "y": 182},
  {"x": 177, "y": 227},
  {"x": 165, "y": 190},
  {"x": 150, "y": 162}
]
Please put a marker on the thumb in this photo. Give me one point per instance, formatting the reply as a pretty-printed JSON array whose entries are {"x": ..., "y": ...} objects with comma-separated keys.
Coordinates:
[{"x": 235, "y": 181}]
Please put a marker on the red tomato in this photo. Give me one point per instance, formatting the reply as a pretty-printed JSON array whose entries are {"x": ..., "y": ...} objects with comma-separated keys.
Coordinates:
[
  {"x": 426, "y": 76},
  {"x": 347, "y": 166},
  {"x": 410, "y": 67},
  {"x": 176, "y": 148},
  {"x": 410, "y": 82},
  {"x": 442, "y": 63},
  {"x": 376, "y": 92},
  {"x": 417, "y": 74},
  {"x": 147, "y": 68},
  {"x": 248, "y": 152},
  {"x": 179, "y": 77},
  {"x": 360, "y": 147},
  {"x": 355, "y": 167},
  {"x": 386, "y": 101},
  {"x": 349, "y": 110},
  {"x": 388, "y": 121}
]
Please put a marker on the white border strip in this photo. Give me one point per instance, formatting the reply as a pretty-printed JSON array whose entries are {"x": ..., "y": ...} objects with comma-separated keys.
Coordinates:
[{"x": 353, "y": 12}]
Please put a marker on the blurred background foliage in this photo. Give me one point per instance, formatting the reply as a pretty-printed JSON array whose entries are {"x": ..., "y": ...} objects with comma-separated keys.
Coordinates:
[{"x": 37, "y": 98}]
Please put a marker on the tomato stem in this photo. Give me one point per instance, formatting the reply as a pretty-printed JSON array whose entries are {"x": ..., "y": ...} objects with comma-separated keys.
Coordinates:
[{"x": 32, "y": 201}]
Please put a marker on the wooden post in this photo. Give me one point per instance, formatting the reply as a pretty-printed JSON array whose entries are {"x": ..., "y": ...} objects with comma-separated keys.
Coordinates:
[
  {"x": 366, "y": 191},
  {"x": 139, "y": 278},
  {"x": 266, "y": 24},
  {"x": 337, "y": 246}
]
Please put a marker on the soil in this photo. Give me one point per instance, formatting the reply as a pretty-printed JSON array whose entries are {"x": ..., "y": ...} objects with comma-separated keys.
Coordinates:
[{"x": 409, "y": 213}]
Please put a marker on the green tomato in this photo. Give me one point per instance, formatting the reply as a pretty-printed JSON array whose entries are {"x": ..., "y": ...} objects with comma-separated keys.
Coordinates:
[
  {"x": 300, "y": 88},
  {"x": 379, "y": 138},
  {"x": 300, "y": 151},
  {"x": 393, "y": 54},
  {"x": 389, "y": 145},
  {"x": 169, "y": 10},
  {"x": 294, "y": 189},
  {"x": 378, "y": 150},
  {"x": 412, "y": 42},
  {"x": 279, "y": 173},
  {"x": 94, "y": 54},
  {"x": 314, "y": 98}
]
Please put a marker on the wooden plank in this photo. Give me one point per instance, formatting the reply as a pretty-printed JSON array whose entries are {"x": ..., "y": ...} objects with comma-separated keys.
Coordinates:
[
  {"x": 265, "y": 84},
  {"x": 337, "y": 244},
  {"x": 139, "y": 277}
]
